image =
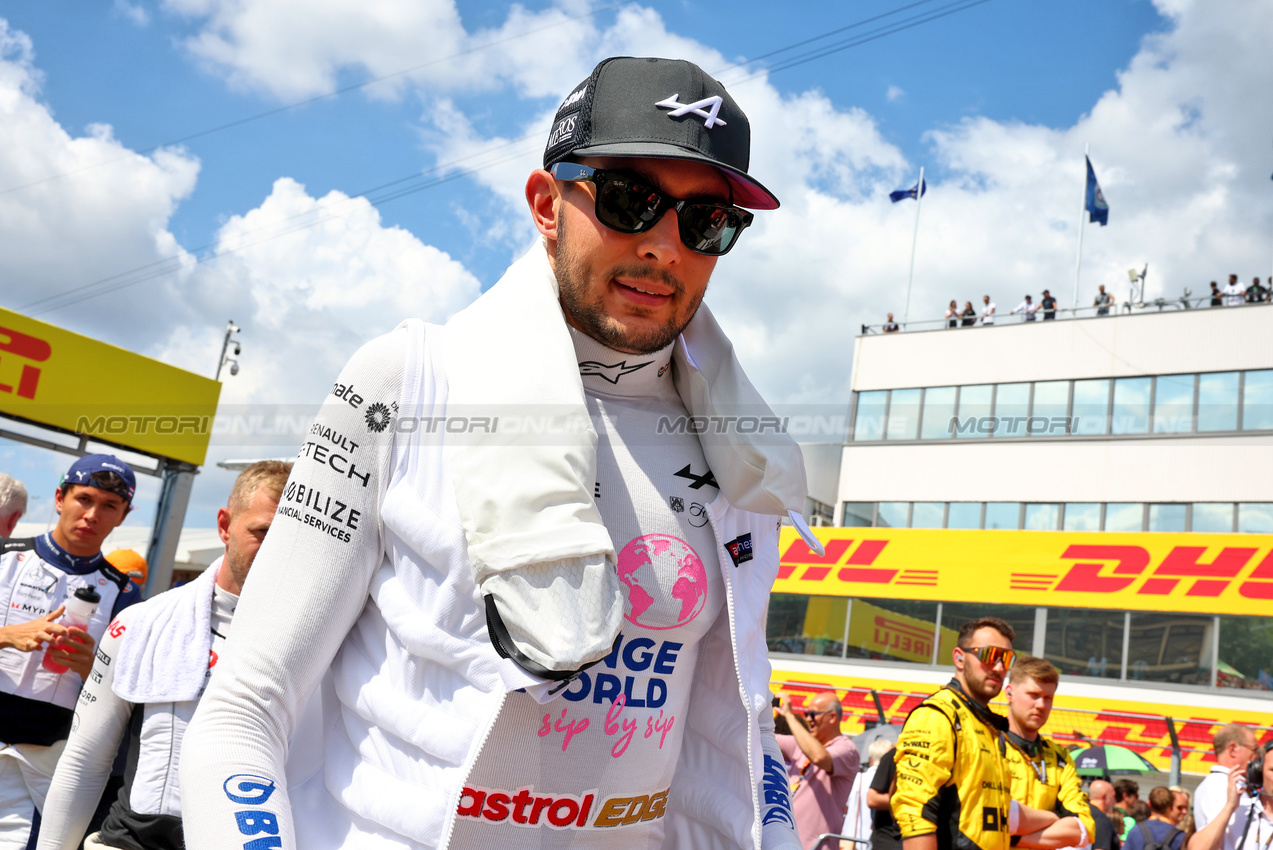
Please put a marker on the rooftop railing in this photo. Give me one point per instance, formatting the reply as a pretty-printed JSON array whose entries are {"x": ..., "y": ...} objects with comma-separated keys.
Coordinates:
[{"x": 1007, "y": 317}]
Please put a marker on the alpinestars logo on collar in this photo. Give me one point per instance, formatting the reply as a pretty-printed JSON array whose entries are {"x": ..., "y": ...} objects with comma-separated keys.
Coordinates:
[
  {"x": 610, "y": 373},
  {"x": 710, "y": 119}
]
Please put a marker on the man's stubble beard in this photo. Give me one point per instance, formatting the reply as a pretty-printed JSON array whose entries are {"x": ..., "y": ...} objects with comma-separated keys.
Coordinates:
[{"x": 588, "y": 311}]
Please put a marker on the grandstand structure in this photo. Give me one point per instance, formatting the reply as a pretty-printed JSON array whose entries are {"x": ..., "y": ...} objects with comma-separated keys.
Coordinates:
[{"x": 1104, "y": 484}]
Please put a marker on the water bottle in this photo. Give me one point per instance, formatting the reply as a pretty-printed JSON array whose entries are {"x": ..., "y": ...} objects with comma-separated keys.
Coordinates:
[{"x": 80, "y": 608}]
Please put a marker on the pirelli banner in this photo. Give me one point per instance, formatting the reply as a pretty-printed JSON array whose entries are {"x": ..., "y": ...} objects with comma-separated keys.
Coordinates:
[
  {"x": 1193, "y": 573},
  {"x": 54, "y": 377}
]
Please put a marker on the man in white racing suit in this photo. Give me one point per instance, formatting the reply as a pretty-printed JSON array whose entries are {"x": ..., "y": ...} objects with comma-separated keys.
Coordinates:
[
  {"x": 43, "y": 663},
  {"x": 138, "y": 687},
  {"x": 515, "y": 592}
]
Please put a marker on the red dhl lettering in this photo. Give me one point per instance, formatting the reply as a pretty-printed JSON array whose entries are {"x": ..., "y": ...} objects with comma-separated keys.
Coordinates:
[
  {"x": 1111, "y": 569},
  {"x": 818, "y": 568}
]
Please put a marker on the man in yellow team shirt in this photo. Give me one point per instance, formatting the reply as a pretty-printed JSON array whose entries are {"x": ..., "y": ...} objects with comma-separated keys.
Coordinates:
[
  {"x": 953, "y": 781},
  {"x": 1043, "y": 774}
]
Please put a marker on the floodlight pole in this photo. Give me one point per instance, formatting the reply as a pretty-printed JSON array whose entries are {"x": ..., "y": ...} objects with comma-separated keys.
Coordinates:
[
  {"x": 1078, "y": 262},
  {"x": 230, "y": 329},
  {"x": 910, "y": 278}
]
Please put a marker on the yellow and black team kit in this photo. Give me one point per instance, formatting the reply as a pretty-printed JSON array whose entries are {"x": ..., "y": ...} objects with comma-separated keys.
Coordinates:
[
  {"x": 953, "y": 777},
  {"x": 1044, "y": 777}
]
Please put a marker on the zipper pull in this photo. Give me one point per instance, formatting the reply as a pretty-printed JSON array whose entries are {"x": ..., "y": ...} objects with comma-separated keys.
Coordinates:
[{"x": 802, "y": 529}]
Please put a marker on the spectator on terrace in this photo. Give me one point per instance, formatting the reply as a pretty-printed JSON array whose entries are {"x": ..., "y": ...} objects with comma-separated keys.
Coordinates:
[
  {"x": 1049, "y": 306},
  {"x": 890, "y": 327},
  {"x": 987, "y": 312},
  {"x": 1216, "y": 299},
  {"x": 952, "y": 314},
  {"x": 1028, "y": 307},
  {"x": 969, "y": 314},
  {"x": 1234, "y": 293},
  {"x": 1256, "y": 293},
  {"x": 1103, "y": 302}
]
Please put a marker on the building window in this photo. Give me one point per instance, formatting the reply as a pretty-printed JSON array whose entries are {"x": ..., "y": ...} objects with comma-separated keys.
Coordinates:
[
  {"x": 1131, "y": 406},
  {"x": 894, "y": 515},
  {"x": 1003, "y": 515},
  {"x": 1091, "y": 406},
  {"x": 939, "y": 410},
  {"x": 976, "y": 406},
  {"x": 903, "y": 414},
  {"x": 1051, "y": 405},
  {"x": 858, "y": 515},
  {"x": 1213, "y": 517},
  {"x": 896, "y": 630},
  {"x": 1165, "y": 647},
  {"x": 1012, "y": 410},
  {"x": 1167, "y": 518},
  {"x": 806, "y": 625},
  {"x": 1042, "y": 517},
  {"x": 1173, "y": 404},
  {"x": 1083, "y": 516},
  {"x": 1085, "y": 642},
  {"x": 928, "y": 515},
  {"x": 1218, "y": 401},
  {"x": 964, "y": 515},
  {"x": 1124, "y": 516},
  {"x": 868, "y": 423},
  {"x": 1255, "y": 518},
  {"x": 1020, "y": 617},
  {"x": 1246, "y": 653},
  {"x": 1257, "y": 400}
]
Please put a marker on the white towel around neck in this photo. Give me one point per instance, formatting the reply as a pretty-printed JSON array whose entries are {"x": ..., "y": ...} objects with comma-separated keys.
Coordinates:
[
  {"x": 524, "y": 500},
  {"x": 164, "y": 656}
]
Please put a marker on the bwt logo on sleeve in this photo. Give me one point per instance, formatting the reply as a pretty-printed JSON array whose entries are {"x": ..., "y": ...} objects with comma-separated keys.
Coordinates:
[
  {"x": 777, "y": 793},
  {"x": 248, "y": 789}
]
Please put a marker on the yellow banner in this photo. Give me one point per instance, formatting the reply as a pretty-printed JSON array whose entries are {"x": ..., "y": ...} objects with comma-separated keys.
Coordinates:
[
  {"x": 55, "y": 377},
  {"x": 874, "y": 630},
  {"x": 1136, "y": 723},
  {"x": 1192, "y": 573}
]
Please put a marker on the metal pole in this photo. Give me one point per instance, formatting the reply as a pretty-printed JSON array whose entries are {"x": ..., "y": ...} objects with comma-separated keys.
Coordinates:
[
  {"x": 1127, "y": 639},
  {"x": 1173, "y": 778},
  {"x": 848, "y": 617},
  {"x": 1040, "y": 632},
  {"x": 170, "y": 515},
  {"x": 1078, "y": 262},
  {"x": 1215, "y": 651},
  {"x": 910, "y": 278},
  {"x": 225, "y": 346},
  {"x": 937, "y": 636}
]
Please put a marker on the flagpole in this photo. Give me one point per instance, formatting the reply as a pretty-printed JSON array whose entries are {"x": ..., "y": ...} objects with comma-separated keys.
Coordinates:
[
  {"x": 910, "y": 278},
  {"x": 1078, "y": 262}
]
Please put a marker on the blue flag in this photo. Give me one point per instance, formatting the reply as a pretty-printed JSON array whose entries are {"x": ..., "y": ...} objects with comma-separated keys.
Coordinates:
[
  {"x": 913, "y": 192},
  {"x": 1097, "y": 209}
]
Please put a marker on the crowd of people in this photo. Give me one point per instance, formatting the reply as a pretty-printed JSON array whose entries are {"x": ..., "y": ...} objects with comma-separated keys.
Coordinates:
[
  {"x": 1235, "y": 294},
  {"x": 93, "y": 709},
  {"x": 1232, "y": 294},
  {"x": 963, "y": 776}
]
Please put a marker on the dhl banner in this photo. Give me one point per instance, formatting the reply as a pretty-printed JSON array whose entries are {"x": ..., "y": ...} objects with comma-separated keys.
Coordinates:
[
  {"x": 55, "y": 377},
  {"x": 1075, "y": 721},
  {"x": 1192, "y": 573}
]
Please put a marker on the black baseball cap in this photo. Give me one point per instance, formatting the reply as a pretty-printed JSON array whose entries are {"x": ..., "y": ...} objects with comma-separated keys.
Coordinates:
[{"x": 662, "y": 109}]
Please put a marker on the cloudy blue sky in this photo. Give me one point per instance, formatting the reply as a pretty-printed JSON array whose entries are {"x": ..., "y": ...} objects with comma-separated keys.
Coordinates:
[{"x": 166, "y": 165}]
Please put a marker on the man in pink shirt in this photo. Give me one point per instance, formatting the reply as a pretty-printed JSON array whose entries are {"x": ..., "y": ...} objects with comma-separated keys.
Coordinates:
[{"x": 822, "y": 764}]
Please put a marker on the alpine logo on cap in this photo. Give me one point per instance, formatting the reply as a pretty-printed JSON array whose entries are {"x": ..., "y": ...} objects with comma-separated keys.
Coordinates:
[{"x": 710, "y": 119}]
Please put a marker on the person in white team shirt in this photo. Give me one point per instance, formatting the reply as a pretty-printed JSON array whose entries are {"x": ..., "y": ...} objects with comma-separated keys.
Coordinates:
[
  {"x": 460, "y": 634},
  {"x": 148, "y": 811},
  {"x": 1220, "y": 807}
]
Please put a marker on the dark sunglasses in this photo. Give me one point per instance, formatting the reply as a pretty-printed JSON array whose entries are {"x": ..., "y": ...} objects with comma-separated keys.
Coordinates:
[
  {"x": 992, "y": 655},
  {"x": 110, "y": 482},
  {"x": 629, "y": 204}
]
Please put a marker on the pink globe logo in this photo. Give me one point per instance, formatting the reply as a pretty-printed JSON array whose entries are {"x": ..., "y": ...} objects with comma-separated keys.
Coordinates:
[{"x": 666, "y": 581}]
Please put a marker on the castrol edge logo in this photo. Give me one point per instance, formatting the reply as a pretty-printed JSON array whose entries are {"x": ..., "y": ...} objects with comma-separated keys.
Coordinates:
[{"x": 525, "y": 808}]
